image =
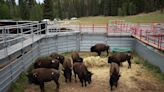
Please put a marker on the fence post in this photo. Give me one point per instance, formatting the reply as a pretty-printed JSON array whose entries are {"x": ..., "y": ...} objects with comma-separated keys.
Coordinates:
[
  {"x": 147, "y": 36},
  {"x": 158, "y": 40},
  {"x": 107, "y": 28},
  {"x": 93, "y": 28},
  {"x": 5, "y": 43},
  {"x": 140, "y": 33},
  {"x": 79, "y": 27}
]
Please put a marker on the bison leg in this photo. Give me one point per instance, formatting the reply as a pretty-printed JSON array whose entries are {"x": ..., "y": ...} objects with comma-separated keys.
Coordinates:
[
  {"x": 111, "y": 84},
  {"x": 75, "y": 77},
  {"x": 70, "y": 79},
  {"x": 129, "y": 62},
  {"x": 116, "y": 85},
  {"x": 107, "y": 52},
  {"x": 42, "y": 87},
  {"x": 99, "y": 53},
  {"x": 57, "y": 85},
  {"x": 81, "y": 80},
  {"x": 85, "y": 83}
]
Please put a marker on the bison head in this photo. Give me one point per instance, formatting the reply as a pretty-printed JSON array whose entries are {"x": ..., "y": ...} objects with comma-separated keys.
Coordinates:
[
  {"x": 110, "y": 59},
  {"x": 67, "y": 73},
  {"x": 88, "y": 77},
  {"x": 114, "y": 79},
  {"x": 60, "y": 58},
  {"x": 80, "y": 59},
  {"x": 32, "y": 78},
  {"x": 92, "y": 49}
]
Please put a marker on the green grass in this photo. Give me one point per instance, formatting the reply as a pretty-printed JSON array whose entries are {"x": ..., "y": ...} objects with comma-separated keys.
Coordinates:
[
  {"x": 141, "y": 18},
  {"x": 155, "y": 70},
  {"x": 19, "y": 84}
]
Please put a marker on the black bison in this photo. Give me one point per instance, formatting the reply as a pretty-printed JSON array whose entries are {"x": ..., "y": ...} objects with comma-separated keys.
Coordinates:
[
  {"x": 45, "y": 62},
  {"x": 120, "y": 57},
  {"x": 67, "y": 65},
  {"x": 40, "y": 75},
  {"x": 114, "y": 75},
  {"x": 98, "y": 48},
  {"x": 57, "y": 56},
  {"x": 83, "y": 74},
  {"x": 76, "y": 57}
]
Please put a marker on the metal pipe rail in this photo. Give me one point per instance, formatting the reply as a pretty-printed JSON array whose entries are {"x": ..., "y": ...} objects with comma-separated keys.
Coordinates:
[{"x": 8, "y": 39}]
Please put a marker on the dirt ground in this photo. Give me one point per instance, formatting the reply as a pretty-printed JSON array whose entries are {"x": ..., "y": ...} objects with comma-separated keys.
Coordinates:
[{"x": 136, "y": 79}]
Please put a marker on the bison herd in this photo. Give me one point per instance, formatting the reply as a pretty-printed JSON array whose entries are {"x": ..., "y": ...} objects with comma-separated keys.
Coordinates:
[{"x": 47, "y": 69}]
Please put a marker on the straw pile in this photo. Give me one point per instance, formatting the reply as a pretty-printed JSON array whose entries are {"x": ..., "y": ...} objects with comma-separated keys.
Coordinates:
[{"x": 95, "y": 61}]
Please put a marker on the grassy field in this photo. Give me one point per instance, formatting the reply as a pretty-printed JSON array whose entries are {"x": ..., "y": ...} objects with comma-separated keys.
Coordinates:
[{"x": 141, "y": 18}]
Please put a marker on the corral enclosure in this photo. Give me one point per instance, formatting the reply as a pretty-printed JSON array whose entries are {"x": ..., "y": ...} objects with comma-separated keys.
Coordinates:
[{"x": 61, "y": 42}]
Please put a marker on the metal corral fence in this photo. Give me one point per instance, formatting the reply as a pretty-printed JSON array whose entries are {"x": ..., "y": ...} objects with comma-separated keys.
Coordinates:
[
  {"x": 150, "y": 33},
  {"x": 17, "y": 57}
]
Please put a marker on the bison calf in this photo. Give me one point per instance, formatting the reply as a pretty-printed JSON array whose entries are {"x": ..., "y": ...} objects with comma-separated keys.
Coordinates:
[
  {"x": 81, "y": 70},
  {"x": 120, "y": 57},
  {"x": 40, "y": 75},
  {"x": 98, "y": 48},
  {"x": 67, "y": 65},
  {"x": 114, "y": 74},
  {"x": 46, "y": 63}
]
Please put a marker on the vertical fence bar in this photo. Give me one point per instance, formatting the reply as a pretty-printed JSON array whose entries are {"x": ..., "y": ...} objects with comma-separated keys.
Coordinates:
[
  {"x": 107, "y": 28},
  {"x": 158, "y": 40},
  {"x": 9, "y": 42},
  {"x": 4, "y": 40},
  {"x": 93, "y": 28},
  {"x": 140, "y": 33},
  {"x": 79, "y": 27},
  {"x": 22, "y": 36}
]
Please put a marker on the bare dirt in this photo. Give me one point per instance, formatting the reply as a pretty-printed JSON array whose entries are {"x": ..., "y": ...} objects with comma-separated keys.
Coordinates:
[{"x": 136, "y": 79}]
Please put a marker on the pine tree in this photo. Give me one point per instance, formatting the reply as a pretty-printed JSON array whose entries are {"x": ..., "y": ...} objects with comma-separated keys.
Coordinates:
[
  {"x": 48, "y": 9},
  {"x": 24, "y": 9}
]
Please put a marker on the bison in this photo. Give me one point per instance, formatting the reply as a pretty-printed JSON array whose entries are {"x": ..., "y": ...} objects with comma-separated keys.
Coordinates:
[
  {"x": 46, "y": 63},
  {"x": 98, "y": 48},
  {"x": 114, "y": 74},
  {"x": 120, "y": 57},
  {"x": 40, "y": 75},
  {"x": 67, "y": 65},
  {"x": 76, "y": 57},
  {"x": 83, "y": 74},
  {"x": 58, "y": 57}
]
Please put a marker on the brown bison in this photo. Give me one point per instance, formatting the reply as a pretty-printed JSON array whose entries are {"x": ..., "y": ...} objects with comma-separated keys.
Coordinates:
[
  {"x": 120, "y": 57},
  {"x": 76, "y": 57},
  {"x": 58, "y": 57},
  {"x": 40, "y": 75},
  {"x": 98, "y": 48},
  {"x": 83, "y": 74},
  {"x": 67, "y": 65},
  {"x": 44, "y": 62},
  {"x": 114, "y": 74}
]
